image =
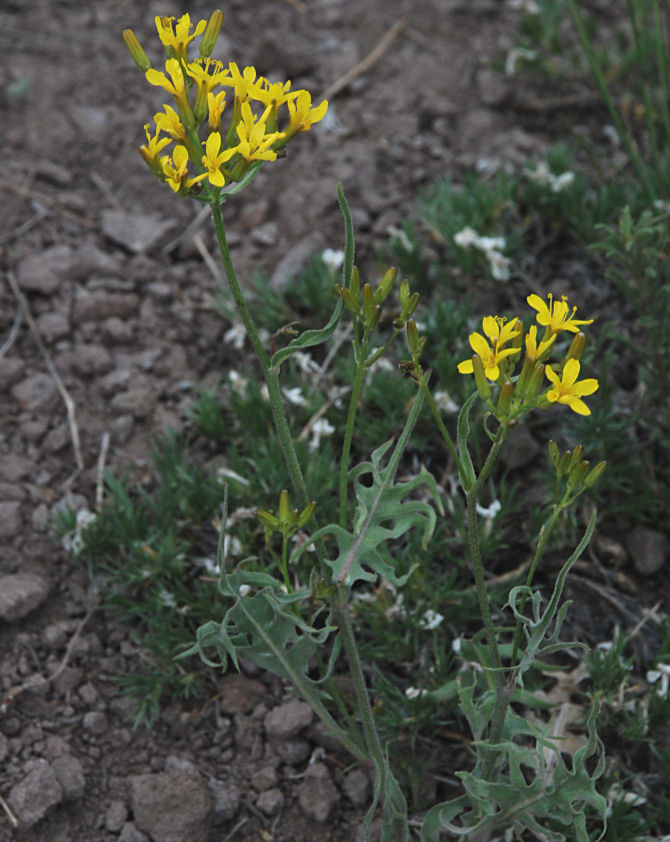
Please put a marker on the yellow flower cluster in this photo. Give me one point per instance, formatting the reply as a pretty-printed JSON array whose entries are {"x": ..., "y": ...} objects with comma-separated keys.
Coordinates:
[
  {"x": 497, "y": 352},
  {"x": 258, "y": 129}
]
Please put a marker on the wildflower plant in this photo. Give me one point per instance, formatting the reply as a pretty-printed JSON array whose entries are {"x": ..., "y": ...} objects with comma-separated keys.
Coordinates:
[{"x": 293, "y": 613}]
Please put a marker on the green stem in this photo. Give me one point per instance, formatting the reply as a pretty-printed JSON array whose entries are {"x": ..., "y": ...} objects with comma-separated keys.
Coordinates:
[
  {"x": 349, "y": 429},
  {"x": 373, "y": 743},
  {"x": 502, "y": 698},
  {"x": 440, "y": 423},
  {"x": 545, "y": 532},
  {"x": 601, "y": 82},
  {"x": 284, "y": 563},
  {"x": 271, "y": 376}
]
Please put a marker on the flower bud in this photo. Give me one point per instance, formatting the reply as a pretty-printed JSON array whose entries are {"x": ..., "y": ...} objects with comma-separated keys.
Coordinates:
[
  {"x": 554, "y": 452},
  {"x": 576, "y": 457},
  {"x": 413, "y": 339},
  {"x": 535, "y": 381},
  {"x": 306, "y": 514},
  {"x": 481, "y": 380},
  {"x": 385, "y": 285},
  {"x": 504, "y": 399},
  {"x": 576, "y": 347},
  {"x": 135, "y": 49},
  {"x": 594, "y": 474},
  {"x": 577, "y": 474},
  {"x": 368, "y": 303},
  {"x": 211, "y": 33}
]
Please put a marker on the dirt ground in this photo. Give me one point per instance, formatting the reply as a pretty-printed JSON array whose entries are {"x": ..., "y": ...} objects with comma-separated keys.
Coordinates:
[{"x": 126, "y": 318}]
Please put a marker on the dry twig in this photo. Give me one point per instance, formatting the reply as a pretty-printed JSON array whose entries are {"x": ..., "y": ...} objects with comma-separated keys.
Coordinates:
[
  {"x": 65, "y": 395},
  {"x": 367, "y": 62},
  {"x": 100, "y": 470},
  {"x": 12, "y": 818}
]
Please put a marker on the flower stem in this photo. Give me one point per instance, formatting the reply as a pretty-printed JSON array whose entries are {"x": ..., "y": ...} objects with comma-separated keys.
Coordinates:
[
  {"x": 502, "y": 697},
  {"x": 270, "y": 374},
  {"x": 440, "y": 423},
  {"x": 349, "y": 429}
]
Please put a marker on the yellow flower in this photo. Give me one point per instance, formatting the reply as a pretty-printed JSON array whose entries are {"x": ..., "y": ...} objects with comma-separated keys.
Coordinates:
[
  {"x": 254, "y": 142},
  {"x": 175, "y": 171},
  {"x": 301, "y": 114},
  {"x": 215, "y": 106},
  {"x": 176, "y": 87},
  {"x": 170, "y": 123},
  {"x": 499, "y": 332},
  {"x": 244, "y": 83},
  {"x": 179, "y": 39},
  {"x": 556, "y": 315},
  {"x": 568, "y": 390},
  {"x": 150, "y": 152},
  {"x": 213, "y": 159},
  {"x": 205, "y": 82},
  {"x": 533, "y": 350}
]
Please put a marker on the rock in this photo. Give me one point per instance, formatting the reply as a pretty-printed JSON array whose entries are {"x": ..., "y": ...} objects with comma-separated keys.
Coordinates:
[
  {"x": 291, "y": 751},
  {"x": 70, "y": 776},
  {"x": 11, "y": 371},
  {"x": 270, "y": 802},
  {"x": 356, "y": 787},
  {"x": 171, "y": 808},
  {"x": 288, "y": 719},
  {"x": 118, "y": 330},
  {"x": 520, "y": 448},
  {"x": 14, "y": 468},
  {"x": 130, "y": 833},
  {"x": 21, "y": 593},
  {"x": 53, "y": 326},
  {"x": 225, "y": 798},
  {"x": 33, "y": 797},
  {"x": 89, "y": 359},
  {"x": 139, "y": 402},
  {"x": 95, "y": 722},
  {"x": 53, "y": 173},
  {"x": 240, "y": 694},
  {"x": 4, "y": 747},
  {"x": 46, "y": 271},
  {"x": 98, "y": 307},
  {"x": 264, "y": 778},
  {"x": 37, "y": 392},
  {"x": 648, "y": 548},
  {"x": 11, "y": 523},
  {"x": 116, "y": 816},
  {"x": 136, "y": 232},
  {"x": 317, "y": 794}
]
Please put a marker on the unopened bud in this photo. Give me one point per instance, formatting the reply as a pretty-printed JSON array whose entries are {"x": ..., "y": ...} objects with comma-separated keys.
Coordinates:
[
  {"x": 306, "y": 514},
  {"x": 594, "y": 474},
  {"x": 576, "y": 456},
  {"x": 504, "y": 399},
  {"x": 349, "y": 301},
  {"x": 211, "y": 33},
  {"x": 481, "y": 381},
  {"x": 385, "y": 285},
  {"x": 413, "y": 339},
  {"x": 578, "y": 474},
  {"x": 535, "y": 381},
  {"x": 368, "y": 302},
  {"x": 355, "y": 284},
  {"x": 554, "y": 452},
  {"x": 576, "y": 347},
  {"x": 135, "y": 49},
  {"x": 563, "y": 464}
]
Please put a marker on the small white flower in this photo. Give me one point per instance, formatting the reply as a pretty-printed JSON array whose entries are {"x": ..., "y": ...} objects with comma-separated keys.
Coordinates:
[
  {"x": 237, "y": 382},
  {"x": 321, "y": 427},
  {"x": 662, "y": 205},
  {"x": 167, "y": 599},
  {"x": 490, "y": 512},
  {"x": 414, "y": 693},
  {"x": 305, "y": 362},
  {"x": 431, "y": 620},
  {"x": 332, "y": 258},
  {"x": 543, "y": 176},
  {"x": 235, "y": 336},
  {"x": 295, "y": 396},
  {"x": 245, "y": 590},
  {"x": 210, "y": 565},
  {"x": 662, "y": 672},
  {"x": 445, "y": 404},
  {"x": 491, "y": 246},
  {"x": 456, "y": 646}
]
